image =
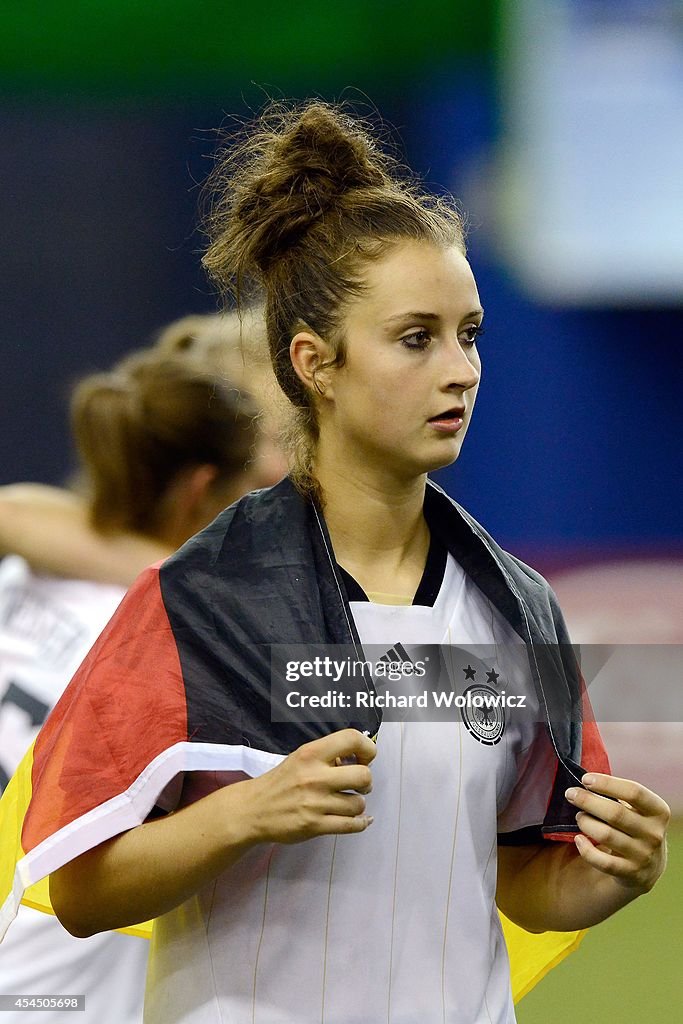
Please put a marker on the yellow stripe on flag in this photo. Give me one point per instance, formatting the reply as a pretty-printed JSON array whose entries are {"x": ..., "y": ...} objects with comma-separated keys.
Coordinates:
[
  {"x": 13, "y": 807},
  {"x": 531, "y": 955}
]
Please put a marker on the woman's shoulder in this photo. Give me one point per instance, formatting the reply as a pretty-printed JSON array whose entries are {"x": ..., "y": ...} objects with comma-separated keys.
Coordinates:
[
  {"x": 258, "y": 523},
  {"x": 479, "y": 551}
]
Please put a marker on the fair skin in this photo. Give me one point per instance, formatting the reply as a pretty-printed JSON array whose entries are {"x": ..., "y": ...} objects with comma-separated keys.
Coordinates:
[
  {"x": 153, "y": 868},
  {"x": 193, "y": 499},
  {"x": 563, "y": 886},
  {"x": 376, "y": 439},
  {"x": 382, "y": 428},
  {"x": 50, "y": 528}
]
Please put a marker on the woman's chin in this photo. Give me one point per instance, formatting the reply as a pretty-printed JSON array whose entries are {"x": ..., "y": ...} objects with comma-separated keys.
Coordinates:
[
  {"x": 443, "y": 458},
  {"x": 420, "y": 467}
]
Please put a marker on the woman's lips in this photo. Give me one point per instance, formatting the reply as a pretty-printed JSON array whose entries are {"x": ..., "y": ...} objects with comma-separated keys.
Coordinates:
[
  {"x": 447, "y": 426},
  {"x": 448, "y": 422}
]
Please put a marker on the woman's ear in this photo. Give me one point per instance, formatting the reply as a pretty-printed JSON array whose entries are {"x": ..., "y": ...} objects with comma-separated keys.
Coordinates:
[
  {"x": 188, "y": 503},
  {"x": 197, "y": 484},
  {"x": 309, "y": 353}
]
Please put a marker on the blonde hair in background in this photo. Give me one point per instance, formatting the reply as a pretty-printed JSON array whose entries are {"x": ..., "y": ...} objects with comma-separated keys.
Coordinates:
[{"x": 236, "y": 345}]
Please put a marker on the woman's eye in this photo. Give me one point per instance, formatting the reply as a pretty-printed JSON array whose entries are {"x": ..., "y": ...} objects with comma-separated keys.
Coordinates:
[
  {"x": 471, "y": 333},
  {"x": 417, "y": 340}
]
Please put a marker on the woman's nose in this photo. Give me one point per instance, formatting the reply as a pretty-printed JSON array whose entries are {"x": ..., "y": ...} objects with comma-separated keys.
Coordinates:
[{"x": 463, "y": 372}]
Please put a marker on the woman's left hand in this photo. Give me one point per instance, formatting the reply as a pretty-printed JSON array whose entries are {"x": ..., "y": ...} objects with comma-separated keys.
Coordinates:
[{"x": 628, "y": 832}]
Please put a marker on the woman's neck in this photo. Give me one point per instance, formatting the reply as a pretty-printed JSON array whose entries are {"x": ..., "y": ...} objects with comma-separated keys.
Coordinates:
[{"x": 377, "y": 527}]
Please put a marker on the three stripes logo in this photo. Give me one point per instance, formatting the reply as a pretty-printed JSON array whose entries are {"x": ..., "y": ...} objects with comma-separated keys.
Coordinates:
[{"x": 397, "y": 655}]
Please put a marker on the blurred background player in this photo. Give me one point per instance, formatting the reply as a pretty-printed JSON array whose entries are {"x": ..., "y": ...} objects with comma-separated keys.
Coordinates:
[
  {"x": 51, "y": 527},
  {"x": 165, "y": 442}
]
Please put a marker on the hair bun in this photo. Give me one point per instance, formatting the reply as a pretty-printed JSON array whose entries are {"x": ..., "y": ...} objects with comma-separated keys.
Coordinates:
[
  {"x": 330, "y": 154},
  {"x": 284, "y": 177}
]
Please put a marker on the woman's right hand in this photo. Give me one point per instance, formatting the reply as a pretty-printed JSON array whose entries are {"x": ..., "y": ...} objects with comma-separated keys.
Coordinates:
[
  {"x": 153, "y": 868},
  {"x": 317, "y": 790}
]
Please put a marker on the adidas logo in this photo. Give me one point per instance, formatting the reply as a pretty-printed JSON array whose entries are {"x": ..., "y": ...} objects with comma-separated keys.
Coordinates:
[{"x": 395, "y": 654}]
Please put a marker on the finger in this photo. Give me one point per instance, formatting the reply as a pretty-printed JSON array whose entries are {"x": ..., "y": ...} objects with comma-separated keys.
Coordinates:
[
  {"x": 335, "y": 825},
  {"x": 600, "y": 859},
  {"x": 342, "y": 744},
  {"x": 344, "y": 805},
  {"x": 366, "y": 748},
  {"x": 357, "y": 777},
  {"x": 616, "y": 814},
  {"x": 638, "y": 796},
  {"x": 618, "y": 842}
]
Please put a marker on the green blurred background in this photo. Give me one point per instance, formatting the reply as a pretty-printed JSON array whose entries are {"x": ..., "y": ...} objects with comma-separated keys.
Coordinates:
[
  {"x": 162, "y": 47},
  {"x": 627, "y": 970}
]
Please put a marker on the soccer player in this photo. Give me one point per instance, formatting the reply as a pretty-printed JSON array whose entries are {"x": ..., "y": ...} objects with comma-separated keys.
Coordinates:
[
  {"x": 51, "y": 528},
  {"x": 165, "y": 443},
  {"x": 301, "y": 872}
]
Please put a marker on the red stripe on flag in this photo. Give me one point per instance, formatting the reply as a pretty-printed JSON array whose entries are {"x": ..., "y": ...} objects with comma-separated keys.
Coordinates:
[
  {"x": 593, "y": 754},
  {"x": 125, "y": 705}
]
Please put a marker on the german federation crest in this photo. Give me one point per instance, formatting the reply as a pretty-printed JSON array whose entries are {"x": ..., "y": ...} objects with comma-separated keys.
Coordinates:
[{"x": 483, "y": 713}]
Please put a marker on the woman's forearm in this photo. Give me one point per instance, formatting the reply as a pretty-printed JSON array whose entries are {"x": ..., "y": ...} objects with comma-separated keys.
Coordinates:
[
  {"x": 618, "y": 855},
  {"x": 151, "y": 869},
  {"x": 553, "y": 889},
  {"x": 141, "y": 874},
  {"x": 49, "y": 527}
]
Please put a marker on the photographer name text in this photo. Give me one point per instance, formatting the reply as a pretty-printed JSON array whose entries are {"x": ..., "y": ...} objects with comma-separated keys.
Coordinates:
[{"x": 386, "y": 699}]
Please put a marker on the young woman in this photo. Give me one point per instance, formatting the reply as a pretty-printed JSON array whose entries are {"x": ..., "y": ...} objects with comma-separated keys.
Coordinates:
[
  {"x": 51, "y": 527},
  {"x": 165, "y": 443},
  {"x": 307, "y": 873}
]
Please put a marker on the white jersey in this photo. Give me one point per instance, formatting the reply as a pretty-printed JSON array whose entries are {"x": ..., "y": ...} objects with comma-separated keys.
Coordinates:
[
  {"x": 47, "y": 626},
  {"x": 396, "y": 924}
]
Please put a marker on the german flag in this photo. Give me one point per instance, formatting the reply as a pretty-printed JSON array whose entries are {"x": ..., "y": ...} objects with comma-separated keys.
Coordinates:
[
  {"x": 180, "y": 681},
  {"x": 86, "y": 779},
  {"x": 122, "y": 731}
]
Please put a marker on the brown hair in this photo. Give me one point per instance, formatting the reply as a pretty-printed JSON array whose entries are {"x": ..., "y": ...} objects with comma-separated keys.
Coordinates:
[
  {"x": 235, "y": 343},
  {"x": 296, "y": 208},
  {"x": 141, "y": 424}
]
